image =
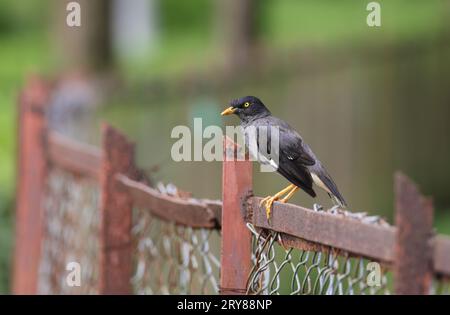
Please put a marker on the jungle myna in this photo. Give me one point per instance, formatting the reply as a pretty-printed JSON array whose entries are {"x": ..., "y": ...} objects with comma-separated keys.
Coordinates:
[{"x": 296, "y": 161}]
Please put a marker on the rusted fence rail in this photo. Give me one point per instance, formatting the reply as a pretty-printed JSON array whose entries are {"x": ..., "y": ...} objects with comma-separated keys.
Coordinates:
[{"x": 135, "y": 238}]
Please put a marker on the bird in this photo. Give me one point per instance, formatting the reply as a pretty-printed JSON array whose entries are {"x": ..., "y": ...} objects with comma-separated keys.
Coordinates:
[{"x": 296, "y": 161}]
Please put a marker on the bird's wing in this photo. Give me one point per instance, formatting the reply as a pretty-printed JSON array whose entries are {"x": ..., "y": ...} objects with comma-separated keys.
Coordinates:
[
  {"x": 292, "y": 146},
  {"x": 293, "y": 157},
  {"x": 297, "y": 174}
]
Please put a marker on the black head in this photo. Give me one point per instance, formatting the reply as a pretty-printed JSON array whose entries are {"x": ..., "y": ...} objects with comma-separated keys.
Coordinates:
[{"x": 247, "y": 108}]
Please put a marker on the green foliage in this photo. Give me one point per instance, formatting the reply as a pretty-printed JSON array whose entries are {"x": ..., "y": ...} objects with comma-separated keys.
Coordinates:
[
  {"x": 22, "y": 16},
  {"x": 442, "y": 221},
  {"x": 292, "y": 22},
  {"x": 183, "y": 17}
]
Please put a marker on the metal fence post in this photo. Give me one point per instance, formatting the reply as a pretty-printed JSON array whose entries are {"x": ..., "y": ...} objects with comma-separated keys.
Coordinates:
[
  {"x": 32, "y": 170},
  {"x": 236, "y": 238},
  {"x": 116, "y": 214},
  {"x": 413, "y": 255}
]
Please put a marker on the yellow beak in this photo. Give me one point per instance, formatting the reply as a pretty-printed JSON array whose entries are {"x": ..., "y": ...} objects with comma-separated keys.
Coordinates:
[{"x": 230, "y": 110}]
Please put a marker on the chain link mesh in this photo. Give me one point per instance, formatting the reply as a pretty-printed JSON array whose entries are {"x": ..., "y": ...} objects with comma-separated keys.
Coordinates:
[
  {"x": 70, "y": 234},
  {"x": 172, "y": 259},
  {"x": 277, "y": 270}
]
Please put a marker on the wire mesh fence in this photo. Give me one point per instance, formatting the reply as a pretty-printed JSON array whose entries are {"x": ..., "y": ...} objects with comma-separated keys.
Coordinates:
[
  {"x": 323, "y": 270},
  {"x": 70, "y": 234},
  {"x": 173, "y": 259}
]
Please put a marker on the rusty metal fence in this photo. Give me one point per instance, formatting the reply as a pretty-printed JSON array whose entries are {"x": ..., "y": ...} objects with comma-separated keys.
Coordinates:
[{"x": 92, "y": 206}]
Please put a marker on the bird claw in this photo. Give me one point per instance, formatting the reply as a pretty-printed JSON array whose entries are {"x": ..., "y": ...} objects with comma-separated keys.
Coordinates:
[
  {"x": 264, "y": 200},
  {"x": 268, "y": 202}
]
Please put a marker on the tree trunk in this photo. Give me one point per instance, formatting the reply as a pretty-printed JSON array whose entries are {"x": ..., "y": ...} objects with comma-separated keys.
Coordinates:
[
  {"x": 238, "y": 30},
  {"x": 86, "y": 47}
]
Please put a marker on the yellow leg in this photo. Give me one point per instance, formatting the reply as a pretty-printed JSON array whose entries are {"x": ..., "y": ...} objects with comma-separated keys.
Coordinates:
[
  {"x": 269, "y": 200},
  {"x": 289, "y": 195}
]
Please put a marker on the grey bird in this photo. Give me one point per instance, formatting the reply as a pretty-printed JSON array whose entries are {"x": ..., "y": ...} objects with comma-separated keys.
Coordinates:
[{"x": 296, "y": 161}]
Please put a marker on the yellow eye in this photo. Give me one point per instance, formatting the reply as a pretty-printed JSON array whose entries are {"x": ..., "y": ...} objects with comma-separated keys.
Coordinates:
[{"x": 246, "y": 104}]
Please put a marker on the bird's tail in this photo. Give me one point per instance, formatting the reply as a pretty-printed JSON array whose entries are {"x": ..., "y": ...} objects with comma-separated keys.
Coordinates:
[{"x": 333, "y": 190}]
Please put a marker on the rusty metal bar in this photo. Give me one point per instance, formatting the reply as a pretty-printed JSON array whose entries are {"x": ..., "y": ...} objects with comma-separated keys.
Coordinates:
[
  {"x": 32, "y": 171},
  {"x": 369, "y": 240},
  {"x": 195, "y": 213},
  {"x": 74, "y": 156},
  {"x": 441, "y": 255},
  {"x": 236, "y": 237},
  {"x": 413, "y": 254},
  {"x": 116, "y": 214}
]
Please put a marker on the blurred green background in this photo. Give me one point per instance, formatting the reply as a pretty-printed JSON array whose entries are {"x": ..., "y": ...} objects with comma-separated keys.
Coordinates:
[{"x": 369, "y": 100}]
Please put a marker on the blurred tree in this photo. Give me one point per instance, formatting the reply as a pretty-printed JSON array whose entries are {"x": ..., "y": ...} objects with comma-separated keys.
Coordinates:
[
  {"x": 237, "y": 23},
  {"x": 87, "y": 47},
  {"x": 134, "y": 28}
]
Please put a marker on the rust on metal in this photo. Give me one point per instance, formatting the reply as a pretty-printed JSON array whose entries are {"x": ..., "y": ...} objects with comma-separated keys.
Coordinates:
[
  {"x": 236, "y": 237},
  {"x": 74, "y": 156},
  {"x": 32, "y": 171},
  {"x": 369, "y": 240},
  {"x": 413, "y": 254},
  {"x": 190, "y": 212},
  {"x": 302, "y": 244},
  {"x": 116, "y": 214}
]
